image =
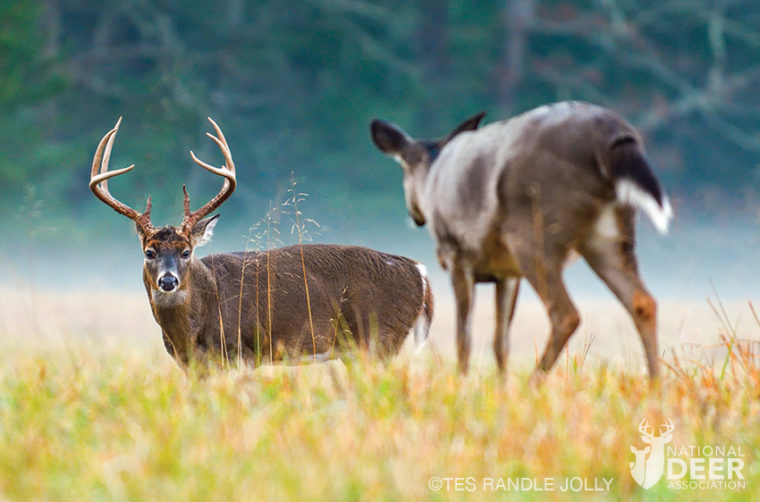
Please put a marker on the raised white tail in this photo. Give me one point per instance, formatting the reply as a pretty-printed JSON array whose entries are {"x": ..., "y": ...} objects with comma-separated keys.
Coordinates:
[{"x": 628, "y": 192}]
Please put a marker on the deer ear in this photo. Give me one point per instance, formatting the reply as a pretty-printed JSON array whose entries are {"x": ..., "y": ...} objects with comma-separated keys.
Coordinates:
[
  {"x": 388, "y": 137},
  {"x": 470, "y": 124},
  {"x": 203, "y": 230}
]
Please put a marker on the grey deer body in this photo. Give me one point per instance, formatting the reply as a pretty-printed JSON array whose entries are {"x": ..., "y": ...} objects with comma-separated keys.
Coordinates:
[
  {"x": 519, "y": 198},
  {"x": 257, "y": 306}
]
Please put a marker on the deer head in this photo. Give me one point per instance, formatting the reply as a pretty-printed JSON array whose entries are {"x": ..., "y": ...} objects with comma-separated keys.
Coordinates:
[
  {"x": 168, "y": 251},
  {"x": 415, "y": 156}
]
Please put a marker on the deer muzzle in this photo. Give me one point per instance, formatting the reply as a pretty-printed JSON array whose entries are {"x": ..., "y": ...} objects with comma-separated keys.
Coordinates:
[{"x": 168, "y": 282}]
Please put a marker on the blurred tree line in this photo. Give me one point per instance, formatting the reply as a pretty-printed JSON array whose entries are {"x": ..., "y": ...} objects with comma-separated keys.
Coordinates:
[{"x": 295, "y": 84}]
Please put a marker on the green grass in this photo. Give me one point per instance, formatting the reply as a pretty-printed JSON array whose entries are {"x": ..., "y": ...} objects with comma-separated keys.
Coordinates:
[{"x": 115, "y": 424}]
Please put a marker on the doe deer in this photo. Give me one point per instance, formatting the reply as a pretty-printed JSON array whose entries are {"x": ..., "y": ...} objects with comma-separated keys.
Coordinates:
[
  {"x": 519, "y": 198},
  {"x": 288, "y": 304}
]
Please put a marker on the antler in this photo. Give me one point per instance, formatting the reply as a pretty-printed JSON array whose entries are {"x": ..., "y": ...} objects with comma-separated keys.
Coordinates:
[
  {"x": 227, "y": 171},
  {"x": 645, "y": 429},
  {"x": 99, "y": 181},
  {"x": 668, "y": 428}
]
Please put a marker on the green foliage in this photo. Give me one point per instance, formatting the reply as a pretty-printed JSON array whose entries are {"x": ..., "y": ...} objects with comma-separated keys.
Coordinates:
[
  {"x": 25, "y": 64},
  {"x": 294, "y": 86}
]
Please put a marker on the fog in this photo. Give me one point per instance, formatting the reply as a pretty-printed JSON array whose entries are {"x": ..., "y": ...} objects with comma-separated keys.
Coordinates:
[
  {"x": 696, "y": 260},
  {"x": 700, "y": 269}
]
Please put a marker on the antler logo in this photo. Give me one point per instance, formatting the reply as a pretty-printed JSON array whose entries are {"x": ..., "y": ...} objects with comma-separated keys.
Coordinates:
[{"x": 649, "y": 465}]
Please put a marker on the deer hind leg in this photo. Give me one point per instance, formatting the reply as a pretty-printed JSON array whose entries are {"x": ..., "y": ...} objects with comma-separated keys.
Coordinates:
[
  {"x": 543, "y": 270},
  {"x": 615, "y": 263},
  {"x": 506, "y": 299},
  {"x": 564, "y": 319},
  {"x": 463, "y": 283}
]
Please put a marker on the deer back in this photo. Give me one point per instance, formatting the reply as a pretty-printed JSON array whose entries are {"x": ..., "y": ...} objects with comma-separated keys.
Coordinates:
[{"x": 365, "y": 295}]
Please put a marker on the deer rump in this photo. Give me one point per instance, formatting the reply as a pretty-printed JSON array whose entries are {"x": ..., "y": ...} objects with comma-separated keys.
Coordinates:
[{"x": 358, "y": 298}]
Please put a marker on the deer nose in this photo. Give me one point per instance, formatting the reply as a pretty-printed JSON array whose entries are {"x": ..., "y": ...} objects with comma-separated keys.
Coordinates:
[{"x": 168, "y": 282}]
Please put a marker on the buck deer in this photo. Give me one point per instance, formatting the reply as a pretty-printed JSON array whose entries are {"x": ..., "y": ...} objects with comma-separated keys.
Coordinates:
[
  {"x": 519, "y": 198},
  {"x": 283, "y": 304}
]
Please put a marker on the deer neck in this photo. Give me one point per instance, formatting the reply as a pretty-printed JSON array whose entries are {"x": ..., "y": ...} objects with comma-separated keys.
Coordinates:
[
  {"x": 181, "y": 317},
  {"x": 422, "y": 183}
]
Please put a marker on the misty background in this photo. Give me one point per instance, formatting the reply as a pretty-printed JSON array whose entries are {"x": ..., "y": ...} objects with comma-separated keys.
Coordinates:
[{"x": 294, "y": 85}]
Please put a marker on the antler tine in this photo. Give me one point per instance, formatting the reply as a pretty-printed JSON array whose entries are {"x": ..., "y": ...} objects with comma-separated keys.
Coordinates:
[
  {"x": 99, "y": 176},
  {"x": 645, "y": 428},
  {"x": 107, "y": 154},
  {"x": 227, "y": 171},
  {"x": 186, "y": 202},
  {"x": 222, "y": 141},
  {"x": 96, "y": 161}
]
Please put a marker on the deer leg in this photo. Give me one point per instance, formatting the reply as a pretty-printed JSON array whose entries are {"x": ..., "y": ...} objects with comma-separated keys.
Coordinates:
[
  {"x": 564, "y": 320},
  {"x": 506, "y": 299},
  {"x": 464, "y": 292},
  {"x": 546, "y": 279},
  {"x": 615, "y": 264},
  {"x": 542, "y": 268}
]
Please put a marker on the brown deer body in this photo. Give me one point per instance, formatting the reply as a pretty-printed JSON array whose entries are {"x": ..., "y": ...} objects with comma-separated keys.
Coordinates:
[
  {"x": 298, "y": 303},
  {"x": 519, "y": 198},
  {"x": 254, "y": 304}
]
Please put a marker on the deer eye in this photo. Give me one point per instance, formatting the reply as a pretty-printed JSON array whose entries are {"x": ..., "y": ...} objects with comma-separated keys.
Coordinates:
[
  {"x": 186, "y": 254},
  {"x": 150, "y": 254}
]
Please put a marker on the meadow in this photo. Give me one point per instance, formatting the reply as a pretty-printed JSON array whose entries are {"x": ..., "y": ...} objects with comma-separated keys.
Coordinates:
[{"x": 92, "y": 408}]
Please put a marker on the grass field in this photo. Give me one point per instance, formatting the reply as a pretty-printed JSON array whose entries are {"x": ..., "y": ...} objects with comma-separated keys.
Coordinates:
[{"x": 91, "y": 408}]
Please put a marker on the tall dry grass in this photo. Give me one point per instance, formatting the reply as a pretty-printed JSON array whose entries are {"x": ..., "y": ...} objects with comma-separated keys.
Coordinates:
[{"x": 91, "y": 407}]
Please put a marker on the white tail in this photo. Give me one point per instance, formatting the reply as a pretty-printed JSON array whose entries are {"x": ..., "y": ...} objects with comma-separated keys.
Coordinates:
[
  {"x": 517, "y": 198},
  {"x": 629, "y": 192}
]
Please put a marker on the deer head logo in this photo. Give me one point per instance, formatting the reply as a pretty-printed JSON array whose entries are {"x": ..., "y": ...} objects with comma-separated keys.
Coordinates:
[{"x": 649, "y": 465}]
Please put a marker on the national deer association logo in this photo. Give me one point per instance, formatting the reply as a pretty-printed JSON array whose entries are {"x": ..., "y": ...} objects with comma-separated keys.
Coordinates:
[
  {"x": 694, "y": 467},
  {"x": 649, "y": 465}
]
